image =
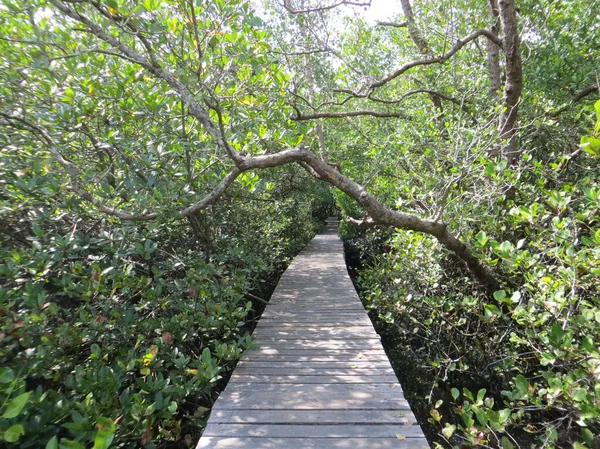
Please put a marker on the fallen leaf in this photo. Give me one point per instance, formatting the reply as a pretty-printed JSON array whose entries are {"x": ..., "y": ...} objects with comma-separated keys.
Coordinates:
[
  {"x": 400, "y": 436},
  {"x": 146, "y": 437},
  {"x": 167, "y": 337}
]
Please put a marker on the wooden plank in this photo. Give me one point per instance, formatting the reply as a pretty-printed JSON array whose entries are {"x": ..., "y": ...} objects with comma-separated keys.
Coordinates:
[
  {"x": 300, "y": 351},
  {"x": 339, "y": 430},
  {"x": 278, "y": 343},
  {"x": 241, "y": 416},
  {"x": 369, "y": 390},
  {"x": 312, "y": 315},
  {"x": 311, "y": 379},
  {"x": 313, "y": 324},
  {"x": 315, "y": 358},
  {"x": 311, "y": 443},
  {"x": 318, "y": 333},
  {"x": 304, "y": 371},
  {"x": 309, "y": 400},
  {"x": 322, "y": 365}
]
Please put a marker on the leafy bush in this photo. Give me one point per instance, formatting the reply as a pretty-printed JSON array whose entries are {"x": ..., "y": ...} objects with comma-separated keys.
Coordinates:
[
  {"x": 519, "y": 360},
  {"x": 119, "y": 334}
]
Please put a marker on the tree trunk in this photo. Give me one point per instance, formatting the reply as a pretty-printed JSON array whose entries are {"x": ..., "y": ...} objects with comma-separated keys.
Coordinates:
[
  {"x": 514, "y": 79},
  {"x": 493, "y": 52}
]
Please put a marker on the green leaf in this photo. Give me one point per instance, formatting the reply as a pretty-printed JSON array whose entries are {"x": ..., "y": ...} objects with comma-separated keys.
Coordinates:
[
  {"x": 95, "y": 351},
  {"x": 13, "y": 433},
  {"x": 455, "y": 393},
  {"x": 69, "y": 444},
  {"x": 587, "y": 436},
  {"x": 491, "y": 311},
  {"x": 468, "y": 394},
  {"x": 480, "y": 394},
  {"x": 499, "y": 295},
  {"x": 506, "y": 443},
  {"x": 522, "y": 383},
  {"x": 6, "y": 375},
  {"x": 587, "y": 344},
  {"x": 14, "y": 407},
  {"x": 556, "y": 334},
  {"x": 103, "y": 439},
  {"x": 52, "y": 443},
  {"x": 255, "y": 22},
  {"x": 590, "y": 145},
  {"x": 480, "y": 415},
  {"x": 206, "y": 356},
  {"x": 597, "y": 107},
  {"x": 482, "y": 238},
  {"x": 580, "y": 394},
  {"x": 448, "y": 430}
]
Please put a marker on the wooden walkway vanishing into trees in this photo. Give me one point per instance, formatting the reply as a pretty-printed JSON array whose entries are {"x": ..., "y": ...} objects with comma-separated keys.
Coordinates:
[{"x": 319, "y": 378}]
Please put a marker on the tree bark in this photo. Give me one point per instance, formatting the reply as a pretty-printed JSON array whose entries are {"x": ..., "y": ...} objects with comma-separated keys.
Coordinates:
[
  {"x": 493, "y": 52},
  {"x": 417, "y": 37},
  {"x": 514, "y": 79}
]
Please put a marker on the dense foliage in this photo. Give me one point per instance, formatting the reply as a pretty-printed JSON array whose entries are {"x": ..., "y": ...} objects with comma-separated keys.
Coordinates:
[
  {"x": 118, "y": 333},
  {"x": 137, "y": 219}
]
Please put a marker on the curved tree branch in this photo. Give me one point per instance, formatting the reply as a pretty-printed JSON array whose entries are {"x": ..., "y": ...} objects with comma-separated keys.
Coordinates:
[
  {"x": 577, "y": 97},
  {"x": 439, "y": 59},
  {"x": 73, "y": 172},
  {"x": 287, "y": 4},
  {"x": 380, "y": 114},
  {"x": 380, "y": 213}
]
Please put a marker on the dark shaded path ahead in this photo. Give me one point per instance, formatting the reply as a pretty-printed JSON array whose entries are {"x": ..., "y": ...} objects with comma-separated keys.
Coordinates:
[{"x": 320, "y": 378}]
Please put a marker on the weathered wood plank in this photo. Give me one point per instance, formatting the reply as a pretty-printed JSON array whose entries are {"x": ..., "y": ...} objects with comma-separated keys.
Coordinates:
[
  {"x": 319, "y": 371},
  {"x": 306, "y": 352},
  {"x": 308, "y": 400},
  {"x": 321, "y": 365},
  {"x": 349, "y": 318},
  {"x": 286, "y": 343},
  {"x": 314, "y": 379},
  {"x": 317, "y": 333},
  {"x": 244, "y": 416},
  {"x": 312, "y": 443},
  {"x": 391, "y": 390},
  {"x": 312, "y": 431}
]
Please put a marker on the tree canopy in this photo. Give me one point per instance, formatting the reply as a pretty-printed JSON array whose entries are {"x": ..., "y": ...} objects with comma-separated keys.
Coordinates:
[{"x": 161, "y": 160}]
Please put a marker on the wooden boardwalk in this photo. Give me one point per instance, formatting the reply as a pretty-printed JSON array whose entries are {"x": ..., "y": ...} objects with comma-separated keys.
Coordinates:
[{"x": 320, "y": 378}]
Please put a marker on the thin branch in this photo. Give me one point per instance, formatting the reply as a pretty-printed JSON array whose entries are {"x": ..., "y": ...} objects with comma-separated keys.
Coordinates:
[
  {"x": 379, "y": 114},
  {"x": 287, "y": 4},
  {"x": 392, "y": 24},
  {"x": 439, "y": 59},
  {"x": 74, "y": 173},
  {"x": 364, "y": 223},
  {"x": 194, "y": 107},
  {"x": 213, "y": 195},
  {"x": 92, "y": 50},
  {"x": 577, "y": 97},
  {"x": 301, "y": 53}
]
